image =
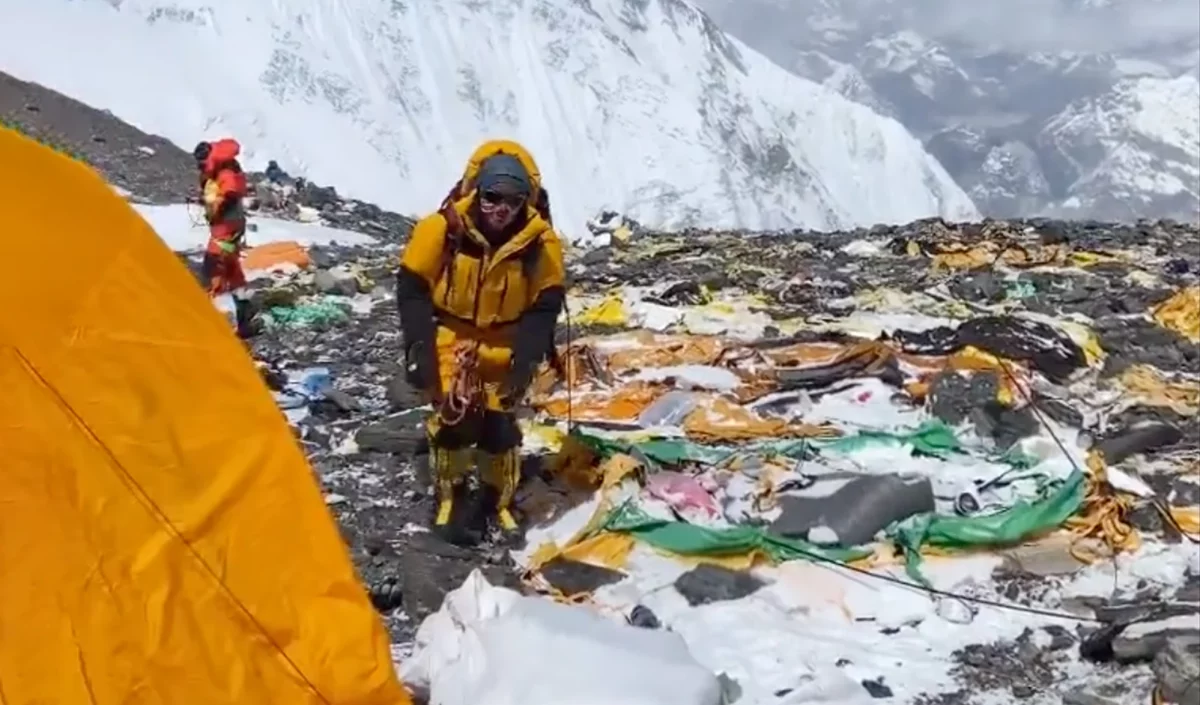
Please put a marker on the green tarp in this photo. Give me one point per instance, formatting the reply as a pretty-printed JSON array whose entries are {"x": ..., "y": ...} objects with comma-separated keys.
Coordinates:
[
  {"x": 321, "y": 312},
  {"x": 932, "y": 438},
  {"x": 692, "y": 540},
  {"x": 1058, "y": 501}
]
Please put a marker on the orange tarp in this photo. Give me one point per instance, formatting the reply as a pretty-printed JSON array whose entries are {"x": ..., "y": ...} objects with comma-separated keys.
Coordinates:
[
  {"x": 276, "y": 254},
  {"x": 624, "y": 404},
  {"x": 163, "y": 541},
  {"x": 657, "y": 350},
  {"x": 720, "y": 419}
]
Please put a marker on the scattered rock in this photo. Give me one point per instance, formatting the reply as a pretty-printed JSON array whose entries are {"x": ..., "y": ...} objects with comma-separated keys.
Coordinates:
[
  {"x": 1082, "y": 697},
  {"x": 1060, "y": 638},
  {"x": 1177, "y": 669},
  {"x": 1143, "y": 642},
  {"x": 400, "y": 435},
  {"x": 876, "y": 688},
  {"x": 709, "y": 583},
  {"x": 575, "y": 578},
  {"x": 643, "y": 618},
  {"x": 151, "y": 169}
]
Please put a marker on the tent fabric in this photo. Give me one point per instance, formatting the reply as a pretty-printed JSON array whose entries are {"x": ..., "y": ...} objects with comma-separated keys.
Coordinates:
[
  {"x": 1020, "y": 522},
  {"x": 163, "y": 540}
]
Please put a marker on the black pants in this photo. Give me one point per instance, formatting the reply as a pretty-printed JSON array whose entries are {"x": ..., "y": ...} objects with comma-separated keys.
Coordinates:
[{"x": 490, "y": 431}]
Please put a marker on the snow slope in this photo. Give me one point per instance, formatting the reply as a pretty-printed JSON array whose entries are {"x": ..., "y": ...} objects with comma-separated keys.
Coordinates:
[
  {"x": 184, "y": 231},
  {"x": 1139, "y": 143},
  {"x": 639, "y": 105},
  {"x": 1035, "y": 107}
]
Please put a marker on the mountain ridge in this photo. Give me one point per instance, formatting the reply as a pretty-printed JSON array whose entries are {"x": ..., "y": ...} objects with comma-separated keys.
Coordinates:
[
  {"x": 994, "y": 113},
  {"x": 641, "y": 106}
]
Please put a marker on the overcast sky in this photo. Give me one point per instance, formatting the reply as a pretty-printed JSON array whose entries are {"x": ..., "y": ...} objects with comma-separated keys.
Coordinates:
[
  {"x": 1024, "y": 25},
  {"x": 1047, "y": 25}
]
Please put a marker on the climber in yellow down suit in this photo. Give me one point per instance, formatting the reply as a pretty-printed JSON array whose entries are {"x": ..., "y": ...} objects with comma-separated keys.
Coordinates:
[{"x": 480, "y": 288}]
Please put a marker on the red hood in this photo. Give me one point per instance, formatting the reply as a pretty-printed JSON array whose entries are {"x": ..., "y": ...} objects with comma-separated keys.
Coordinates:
[{"x": 223, "y": 151}]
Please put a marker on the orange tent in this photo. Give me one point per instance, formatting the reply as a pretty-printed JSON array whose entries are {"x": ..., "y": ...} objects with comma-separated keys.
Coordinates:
[{"x": 163, "y": 540}]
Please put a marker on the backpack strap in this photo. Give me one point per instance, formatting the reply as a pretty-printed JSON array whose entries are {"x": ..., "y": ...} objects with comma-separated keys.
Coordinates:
[
  {"x": 530, "y": 256},
  {"x": 543, "y": 206},
  {"x": 453, "y": 239}
]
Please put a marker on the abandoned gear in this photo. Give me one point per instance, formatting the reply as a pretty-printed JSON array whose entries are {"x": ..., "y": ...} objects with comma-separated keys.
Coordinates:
[
  {"x": 480, "y": 288},
  {"x": 223, "y": 189}
]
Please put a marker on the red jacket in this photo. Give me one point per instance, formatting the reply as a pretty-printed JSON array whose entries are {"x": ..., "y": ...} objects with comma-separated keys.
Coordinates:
[{"x": 222, "y": 183}]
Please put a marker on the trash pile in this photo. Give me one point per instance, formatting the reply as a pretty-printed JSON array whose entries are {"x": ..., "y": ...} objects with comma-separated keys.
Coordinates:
[
  {"x": 276, "y": 193},
  {"x": 917, "y": 464},
  {"x": 924, "y": 461}
]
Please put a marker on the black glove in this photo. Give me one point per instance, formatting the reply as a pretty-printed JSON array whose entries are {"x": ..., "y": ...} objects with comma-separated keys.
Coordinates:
[
  {"x": 520, "y": 376},
  {"x": 420, "y": 368},
  {"x": 534, "y": 339},
  {"x": 419, "y": 331}
]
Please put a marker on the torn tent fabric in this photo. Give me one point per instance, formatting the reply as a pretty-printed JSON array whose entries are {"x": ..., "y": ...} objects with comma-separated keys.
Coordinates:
[
  {"x": 164, "y": 540},
  {"x": 1052, "y": 352},
  {"x": 1023, "y": 520},
  {"x": 1181, "y": 313},
  {"x": 1057, "y": 501}
]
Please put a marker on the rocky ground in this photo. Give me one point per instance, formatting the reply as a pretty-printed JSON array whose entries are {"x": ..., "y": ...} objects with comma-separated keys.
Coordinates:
[
  {"x": 152, "y": 170},
  {"x": 366, "y": 439}
]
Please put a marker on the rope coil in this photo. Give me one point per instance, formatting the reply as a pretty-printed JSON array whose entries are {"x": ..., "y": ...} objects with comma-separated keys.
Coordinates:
[{"x": 466, "y": 388}]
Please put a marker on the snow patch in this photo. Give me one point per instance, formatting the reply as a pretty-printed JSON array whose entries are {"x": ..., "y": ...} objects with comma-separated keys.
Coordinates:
[{"x": 177, "y": 225}]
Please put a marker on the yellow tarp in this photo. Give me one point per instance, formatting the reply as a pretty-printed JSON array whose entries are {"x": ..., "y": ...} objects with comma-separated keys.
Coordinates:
[
  {"x": 163, "y": 540},
  {"x": 1181, "y": 313}
]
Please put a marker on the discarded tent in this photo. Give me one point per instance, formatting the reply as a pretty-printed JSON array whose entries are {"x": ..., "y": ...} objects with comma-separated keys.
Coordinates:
[{"x": 164, "y": 540}]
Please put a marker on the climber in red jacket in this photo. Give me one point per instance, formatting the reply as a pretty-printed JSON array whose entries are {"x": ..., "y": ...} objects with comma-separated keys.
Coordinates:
[{"x": 222, "y": 190}]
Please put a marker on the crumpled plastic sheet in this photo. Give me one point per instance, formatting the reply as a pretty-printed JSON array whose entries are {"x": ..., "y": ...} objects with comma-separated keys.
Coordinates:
[
  {"x": 312, "y": 313},
  {"x": 488, "y": 646}
]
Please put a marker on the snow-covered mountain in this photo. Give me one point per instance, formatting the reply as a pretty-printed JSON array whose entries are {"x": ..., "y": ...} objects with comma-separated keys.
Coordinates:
[
  {"x": 639, "y": 105},
  {"x": 1068, "y": 108}
]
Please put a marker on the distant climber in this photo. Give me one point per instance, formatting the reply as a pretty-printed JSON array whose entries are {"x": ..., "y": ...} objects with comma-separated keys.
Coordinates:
[
  {"x": 275, "y": 174},
  {"x": 223, "y": 190},
  {"x": 480, "y": 287}
]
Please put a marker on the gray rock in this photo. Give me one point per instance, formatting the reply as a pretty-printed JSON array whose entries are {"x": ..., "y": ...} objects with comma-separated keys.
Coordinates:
[
  {"x": 400, "y": 394},
  {"x": 1185, "y": 492},
  {"x": 1145, "y": 647},
  {"x": 400, "y": 435},
  {"x": 1060, "y": 638},
  {"x": 1177, "y": 669},
  {"x": 709, "y": 583},
  {"x": 572, "y": 577},
  {"x": 954, "y": 395},
  {"x": 337, "y": 283},
  {"x": 342, "y": 400},
  {"x": 643, "y": 617},
  {"x": 1083, "y": 697}
]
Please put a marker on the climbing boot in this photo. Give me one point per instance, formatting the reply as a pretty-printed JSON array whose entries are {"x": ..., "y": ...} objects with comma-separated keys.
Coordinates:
[
  {"x": 449, "y": 469},
  {"x": 501, "y": 472}
]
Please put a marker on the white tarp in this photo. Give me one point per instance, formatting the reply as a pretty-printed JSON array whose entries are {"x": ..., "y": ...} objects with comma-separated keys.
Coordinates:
[{"x": 493, "y": 646}]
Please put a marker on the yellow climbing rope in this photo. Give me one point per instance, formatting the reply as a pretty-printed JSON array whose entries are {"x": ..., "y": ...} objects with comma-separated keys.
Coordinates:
[{"x": 1104, "y": 515}]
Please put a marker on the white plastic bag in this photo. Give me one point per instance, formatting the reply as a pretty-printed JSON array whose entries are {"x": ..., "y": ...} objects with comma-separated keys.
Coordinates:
[{"x": 492, "y": 646}]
